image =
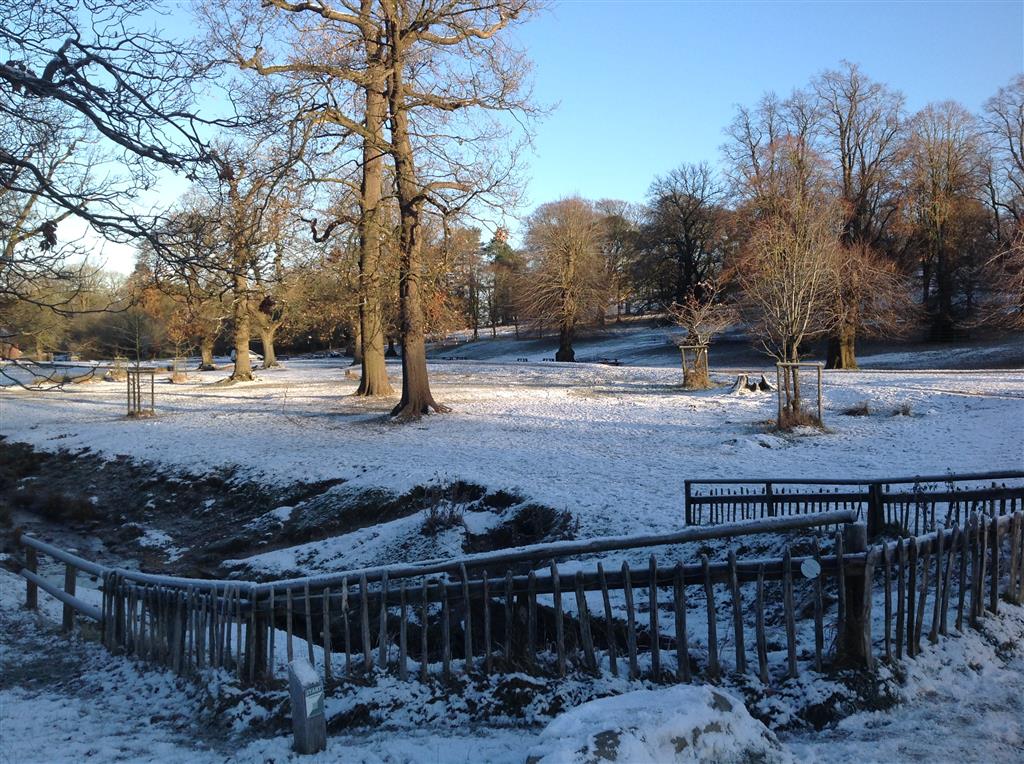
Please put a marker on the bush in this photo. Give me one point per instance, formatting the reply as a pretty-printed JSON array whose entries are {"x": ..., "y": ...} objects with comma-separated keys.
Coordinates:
[
  {"x": 441, "y": 516},
  {"x": 858, "y": 409}
]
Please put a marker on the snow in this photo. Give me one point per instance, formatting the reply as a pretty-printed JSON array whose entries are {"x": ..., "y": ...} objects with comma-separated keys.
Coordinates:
[
  {"x": 963, "y": 699},
  {"x": 610, "y": 444},
  {"x": 157, "y": 539},
  {"x": 684, "y": 723}
]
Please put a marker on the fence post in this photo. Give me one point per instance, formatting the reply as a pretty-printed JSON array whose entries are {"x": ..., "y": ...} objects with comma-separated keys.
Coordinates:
[
  {"x": 70, "y": 580},
  {"x": 876, "y": 510},
  {"x": 688, "y": 494},
  {"x": 31, "y": 590},
  {"x": 770, "y": 499},
  {"x": 852, "y": 647}
]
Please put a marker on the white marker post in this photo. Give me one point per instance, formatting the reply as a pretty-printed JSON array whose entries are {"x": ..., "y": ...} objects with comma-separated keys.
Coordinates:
[{"x": 308, "y": 721}]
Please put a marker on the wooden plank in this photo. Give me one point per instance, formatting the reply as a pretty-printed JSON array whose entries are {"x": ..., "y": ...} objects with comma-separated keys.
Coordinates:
[
  {"x": 655, "y": 630},
  {"x": 446, "y": 637},
  {"x": 965, "y": 542},
  {"x": 364, "y": 624},
  {"x": 272, "y": 612},
  {"x": 609, "y": 623},
  {"x": 403, "y": 634},
  {"x": 921, "y": 605},
  {"x": 542, "y": 552},
  {"x": 790, "y": 616},
  {"x": 947, "y": 582},
  {"x": 841, "y": 587},
  {"x": 682, "y": 638},
  {"x": 288, "y": 622},
  {"x": 819, "y": 620},
  {"x": 634, "y": 670},
  {"x": 383, "y": 641},
  {"x": 559, "y": 623},
  {"x": 309, "y": 625},
  {"x": 589, "y": 658},
  {"x": 424, "y": 627},
  {"x": 975, "y": 605},
  {"x": 997, "y": 548},
  {"x": 865, "y": 605},
  {"x": 933, "y": 632},
  {"x": 737, "y": 615},
  {"x": 508, "y": 618},
  {"x": 888, "y": 583},
  {"x": 714, "y": 669},
  {"x": 488, "y": 660},
  {"x": 346, "y": 627},
  {"x": 327, "y": 635},
  {"x": 467, "y": 622},
  {"x": 912, "y": 597},
  {"x": 761, "y": 634},
  {"x": 70, "y": 581},
  {"x": 531, "y": 618}
]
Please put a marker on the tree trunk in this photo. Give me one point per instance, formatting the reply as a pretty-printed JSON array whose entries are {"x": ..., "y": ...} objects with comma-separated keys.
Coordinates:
[
  {"x": 373, "y": 379},
  {"x": 206, "y": 353},
  {"x": 841, "y": 352},
  {"x": 243, "y": 366},
  {"x": 355, "y": 345},
  {"x": 565, "y": 351},
  {"x": 417, "y": 399},
  {"x": 267, "y": 340}
]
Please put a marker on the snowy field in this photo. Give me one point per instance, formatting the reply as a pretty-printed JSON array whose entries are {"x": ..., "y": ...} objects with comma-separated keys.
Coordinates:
[
  {"x": 611, "y": 445},
  {"x": 607, "y": 443},
  {"x": 963, "y": 701}
]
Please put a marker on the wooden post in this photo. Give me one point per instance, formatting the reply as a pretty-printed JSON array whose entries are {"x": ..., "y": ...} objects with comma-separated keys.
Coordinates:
[
  {"x": 31, "y": 590},
  {"x": 652, "y": 601},
  {"x": 876, "y": 510},
  {"x": 855, "y": 541},
  {"x": 737, "y": 615},
  {"x": 687, "y": 496},
  {"x": 709, "y": 593},
  {"x": 821, "y": 402}
]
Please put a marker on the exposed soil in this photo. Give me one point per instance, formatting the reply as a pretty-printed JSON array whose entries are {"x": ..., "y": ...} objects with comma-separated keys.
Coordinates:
[{"x": 120, "y": 511}]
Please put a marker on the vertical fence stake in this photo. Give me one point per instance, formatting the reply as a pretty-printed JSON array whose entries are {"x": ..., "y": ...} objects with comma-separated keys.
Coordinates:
[{"x": 70, "y": 579}]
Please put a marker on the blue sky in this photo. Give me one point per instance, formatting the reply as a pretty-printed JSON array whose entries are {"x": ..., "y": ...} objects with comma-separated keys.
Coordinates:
[{"x": 644, "y": 86}]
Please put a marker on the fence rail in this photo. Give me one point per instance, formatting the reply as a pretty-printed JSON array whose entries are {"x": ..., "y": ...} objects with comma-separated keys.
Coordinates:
[
  {"x": 669, "y": 619},
  {"x": 909, "y": 505}
]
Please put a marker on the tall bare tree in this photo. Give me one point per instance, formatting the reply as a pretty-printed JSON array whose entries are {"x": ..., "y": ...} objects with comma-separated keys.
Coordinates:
[
  {"x": 944, "y": 175},
  {"x": 862, "y": 129},
  {"x": 564, "y": 281}
]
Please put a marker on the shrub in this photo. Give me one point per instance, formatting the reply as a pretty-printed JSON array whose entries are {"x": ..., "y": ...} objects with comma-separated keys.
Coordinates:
[{"x": 858, "y": 409}]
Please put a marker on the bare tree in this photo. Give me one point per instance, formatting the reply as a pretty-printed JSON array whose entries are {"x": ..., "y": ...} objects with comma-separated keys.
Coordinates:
[
  {"x": 681, "y": 239},
  {"x": 788, "y": 265},
  {"x": 862, "y": 130},
  {"x": 564, "y": 278},
  {"x": 703, "y": 314},
  {"x": 88, "y": 76},
  {"x": 944, "y": 175}
]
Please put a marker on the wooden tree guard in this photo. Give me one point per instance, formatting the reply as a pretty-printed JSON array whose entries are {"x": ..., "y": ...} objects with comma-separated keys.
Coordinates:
[
  {"x": 789, "y": 395},
  {"x": 139, "y": 404},
  {"x": 695, "y": 364}
]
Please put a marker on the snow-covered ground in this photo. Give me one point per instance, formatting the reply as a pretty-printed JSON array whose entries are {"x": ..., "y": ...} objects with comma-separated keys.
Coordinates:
[
  {"x": 610, "y": 444},
  {"x": 963, "y": 701}
]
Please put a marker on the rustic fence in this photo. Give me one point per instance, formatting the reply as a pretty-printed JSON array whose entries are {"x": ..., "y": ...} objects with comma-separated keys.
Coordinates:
[
  {"x": 530, "y": 610},
  {"x": 912, "y": 505}
]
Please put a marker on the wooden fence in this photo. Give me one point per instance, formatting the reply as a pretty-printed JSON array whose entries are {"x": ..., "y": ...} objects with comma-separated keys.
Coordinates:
[
  {"x": 911, "y": 505},
  {"x": 669, "y": 620}
]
